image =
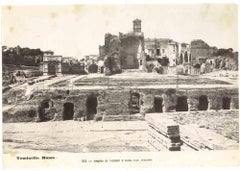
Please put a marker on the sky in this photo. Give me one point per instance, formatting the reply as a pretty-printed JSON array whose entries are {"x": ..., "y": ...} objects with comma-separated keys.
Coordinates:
[{"x": 78, "y": 30}]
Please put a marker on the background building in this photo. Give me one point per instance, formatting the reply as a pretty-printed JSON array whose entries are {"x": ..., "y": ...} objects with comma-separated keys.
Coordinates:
[{"x": 159, "y": 48}]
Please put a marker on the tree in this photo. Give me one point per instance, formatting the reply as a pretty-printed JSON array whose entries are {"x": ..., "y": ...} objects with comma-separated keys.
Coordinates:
[{"x": 163, "y": 61}]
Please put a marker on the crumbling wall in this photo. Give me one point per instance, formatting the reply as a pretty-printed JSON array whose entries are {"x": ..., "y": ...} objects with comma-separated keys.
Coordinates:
[
  {"x": 214, "y": 96},
  {"x": 114, "y": 103},
  {"x": 112, "y": 64},
  {"x": 112, "y": 61},
  {"x": 170, "y": 96},
  {"x": 129, "y": 51},
  {"x": 123, "y": 52}
]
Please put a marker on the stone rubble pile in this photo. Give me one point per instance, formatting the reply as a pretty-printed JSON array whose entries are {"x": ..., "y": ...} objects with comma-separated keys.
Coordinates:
[{"x": 164, "y": 134}]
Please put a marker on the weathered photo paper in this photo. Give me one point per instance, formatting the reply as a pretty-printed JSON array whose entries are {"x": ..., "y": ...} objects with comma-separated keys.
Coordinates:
[{"x": 124, "y": 85}]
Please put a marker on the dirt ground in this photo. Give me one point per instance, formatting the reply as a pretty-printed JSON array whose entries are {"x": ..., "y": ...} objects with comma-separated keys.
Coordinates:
[{"x": 74, "y": 136}]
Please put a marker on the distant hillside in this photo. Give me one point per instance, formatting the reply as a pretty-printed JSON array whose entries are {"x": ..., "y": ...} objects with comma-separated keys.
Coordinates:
[
  {"x": 226, "y": 59},
  {"x": 21, "y": 56}
]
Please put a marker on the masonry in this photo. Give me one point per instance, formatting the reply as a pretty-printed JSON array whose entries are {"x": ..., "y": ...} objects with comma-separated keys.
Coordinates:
[{"x": 123, "y": 104}]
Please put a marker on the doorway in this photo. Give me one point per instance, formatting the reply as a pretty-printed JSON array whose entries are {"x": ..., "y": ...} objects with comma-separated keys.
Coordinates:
[
  {"x": 158, "y": 104},
  {"x": 68, "y": 111},
  {"x": 226, "y": 102},
  {"x": 51, "y": 68},
  {"x": 182, "y": 104},
  {"x": 203, "y": 103},
  {"x": 91, "y": 107},
  {"x": 135, "y": 103}
]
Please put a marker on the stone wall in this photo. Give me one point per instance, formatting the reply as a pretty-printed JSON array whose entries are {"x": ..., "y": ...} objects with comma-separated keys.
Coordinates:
[
  {"x": 199, "y": 48},
  {"x": 113, "y": 102},
  {"x": 214, "y": 98},
  {"x": 130, "y": 49},
  {"x": 119, "y": 103},
  {"x": 122, "y": 52}
]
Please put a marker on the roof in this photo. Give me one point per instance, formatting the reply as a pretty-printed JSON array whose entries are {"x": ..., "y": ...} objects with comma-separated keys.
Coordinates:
[{"x": 137, "y": 20}]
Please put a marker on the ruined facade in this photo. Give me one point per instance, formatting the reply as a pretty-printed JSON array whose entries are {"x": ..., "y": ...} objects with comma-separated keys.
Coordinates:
[
  {"x": 125, "y": 51},
  {"x": 184, "y": 54},
  {"x": 159, "y": 48},
  {"x": 132, "y": 51}
]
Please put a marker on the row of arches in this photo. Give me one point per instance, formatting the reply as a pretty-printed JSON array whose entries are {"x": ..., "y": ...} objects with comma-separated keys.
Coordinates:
[
  {"x": 185, "y": 57},
  {"x": 68, "y": 109},
  {"x": 91, "y": 109},
  {"x": 181, "y": 105}
]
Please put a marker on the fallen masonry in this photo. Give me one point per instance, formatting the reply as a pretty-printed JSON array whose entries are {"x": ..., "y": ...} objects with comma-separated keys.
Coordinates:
[{"x": 167, "y": 135}]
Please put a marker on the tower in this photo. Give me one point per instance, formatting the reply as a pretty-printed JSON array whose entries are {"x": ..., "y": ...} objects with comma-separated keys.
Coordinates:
[{"x": 137, "y": 26}]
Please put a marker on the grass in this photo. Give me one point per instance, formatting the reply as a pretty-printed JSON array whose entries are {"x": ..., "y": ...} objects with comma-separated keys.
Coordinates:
[
  {"x": 20, "y": 113},
  {"x": 157, "y": 80}
]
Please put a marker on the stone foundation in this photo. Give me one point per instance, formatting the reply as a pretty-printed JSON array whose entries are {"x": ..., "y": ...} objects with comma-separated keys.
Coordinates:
[{"x": 117, "y": 103}]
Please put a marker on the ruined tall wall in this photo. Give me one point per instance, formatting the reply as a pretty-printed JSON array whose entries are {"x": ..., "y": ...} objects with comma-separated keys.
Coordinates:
[
  {"x": 125, "y": 51},
  {"x": 131, "y": 45},
  {"x": 111, "y": 54},
  {"x": 199, "y": 48}
]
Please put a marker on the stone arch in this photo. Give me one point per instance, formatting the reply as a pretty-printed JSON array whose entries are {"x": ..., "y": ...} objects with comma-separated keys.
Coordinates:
[
  {"x": 91, "y": 106},
  {"x": 52, "y": 68},
  {"x": 44, "y": 110},
  {"x": 134, "y": 103},
  {"x": 182, "y": 104},
  {"x": 190, "y": 57},
  {"x": 185, "y": 57},
  {"x": 68, "y": 111},
  {"x": 203, "y": 103},
  {"x": 93, "y": 68},
  {"x": 181, "y": 59},
  {"x": 226, "y": 102}
]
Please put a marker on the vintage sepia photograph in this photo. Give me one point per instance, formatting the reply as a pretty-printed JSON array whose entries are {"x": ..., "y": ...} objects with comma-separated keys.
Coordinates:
[{"x": 94, "y": 80}]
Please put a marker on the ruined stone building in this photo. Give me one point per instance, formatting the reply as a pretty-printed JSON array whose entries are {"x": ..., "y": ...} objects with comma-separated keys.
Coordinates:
[
  {"x": 184, "y": 54},
  {"x": 200, "y": 49},
  {"x": 159, "y": 48},
  {"x": 125, "y": 51}
]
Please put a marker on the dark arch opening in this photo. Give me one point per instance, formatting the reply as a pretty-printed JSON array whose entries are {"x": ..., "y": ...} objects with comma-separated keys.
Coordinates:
[
  {"x": 68, "y": 111},
  {"x": 135, "y": 103},
  {"x": 182, "y": 104},
  {"x": 51, "y": 68},
  {"x": 226, "y": 102},
  {"x": 44, "y": 110},
  {"x": 91, "y": 107},
  {"x": 185, "y": 57},
  {"x": 203, "y": 103},
  {"x": 158, "y": 104},
  {"x": 181, "y": 59},
  {"x": 102, "y": 69}
]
